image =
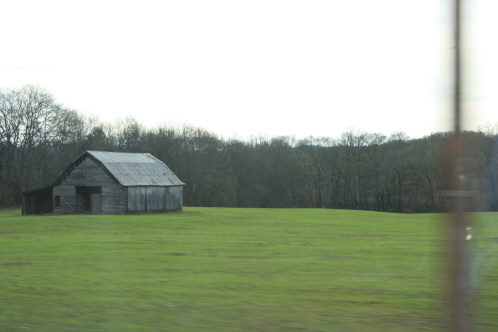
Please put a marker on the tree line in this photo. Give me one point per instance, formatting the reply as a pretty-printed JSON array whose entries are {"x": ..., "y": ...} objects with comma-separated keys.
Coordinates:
[{"x": 39, "y": 138}]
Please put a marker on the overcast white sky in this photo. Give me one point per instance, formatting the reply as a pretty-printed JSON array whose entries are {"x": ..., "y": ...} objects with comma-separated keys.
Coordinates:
[{"x": 274, "y": 67}]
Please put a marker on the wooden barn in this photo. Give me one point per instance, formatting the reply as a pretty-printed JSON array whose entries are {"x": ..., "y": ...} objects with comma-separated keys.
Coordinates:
[{"x": 109, "y": 182}]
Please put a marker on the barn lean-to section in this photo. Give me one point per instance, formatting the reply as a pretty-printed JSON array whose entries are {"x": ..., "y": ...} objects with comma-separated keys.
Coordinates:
[
  {"x": 113, "y": 182},
  {"x": 38, "y": 201}
]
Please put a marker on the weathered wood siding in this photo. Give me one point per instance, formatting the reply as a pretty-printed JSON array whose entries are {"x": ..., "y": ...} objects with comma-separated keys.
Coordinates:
[
  {"x": 67, "y": 196},
  {"x": 89, "y": 173},
  {"x": 144, "y": 198},
  {"x": 174, "y": 198},
  {"x": 136, "y": 199}
]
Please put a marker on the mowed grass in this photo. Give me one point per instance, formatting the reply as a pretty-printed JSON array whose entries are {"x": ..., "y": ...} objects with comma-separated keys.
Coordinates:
[{"x": 220, "y": 269}]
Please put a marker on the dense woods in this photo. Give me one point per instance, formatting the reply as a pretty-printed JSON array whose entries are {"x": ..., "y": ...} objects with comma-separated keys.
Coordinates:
[{"x": 352, "y": 170}]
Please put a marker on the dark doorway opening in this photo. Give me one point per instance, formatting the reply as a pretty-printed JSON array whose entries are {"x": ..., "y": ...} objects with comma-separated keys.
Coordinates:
[{"x": 88, "y": 199}]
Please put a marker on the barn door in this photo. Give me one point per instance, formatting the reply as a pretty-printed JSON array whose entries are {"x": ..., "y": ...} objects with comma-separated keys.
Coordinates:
[{"x": 96, "y": 203}]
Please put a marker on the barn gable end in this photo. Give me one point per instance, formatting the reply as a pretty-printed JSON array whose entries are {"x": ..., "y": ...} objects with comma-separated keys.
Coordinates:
[{"x": 89, "y": 188}]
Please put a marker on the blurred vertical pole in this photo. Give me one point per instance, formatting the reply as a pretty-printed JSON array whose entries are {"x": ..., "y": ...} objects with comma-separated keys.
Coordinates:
[
  {"x": 459, "y": 194},
  {"x": 457, "y": 67}
]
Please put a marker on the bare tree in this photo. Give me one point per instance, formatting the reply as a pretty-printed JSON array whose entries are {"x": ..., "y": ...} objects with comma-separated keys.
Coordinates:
[{"x": 30, "y": 123}]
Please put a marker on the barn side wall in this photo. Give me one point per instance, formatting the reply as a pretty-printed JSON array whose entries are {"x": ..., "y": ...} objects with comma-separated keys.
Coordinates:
[
  {"x": 147, "y": 198},
  {"x": 174, "y": 198},
  {"x": 90, "y": 174}
]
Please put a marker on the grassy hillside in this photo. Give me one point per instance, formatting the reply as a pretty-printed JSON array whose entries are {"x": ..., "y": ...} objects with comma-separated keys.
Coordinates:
[{"x": 218, "y": 269}]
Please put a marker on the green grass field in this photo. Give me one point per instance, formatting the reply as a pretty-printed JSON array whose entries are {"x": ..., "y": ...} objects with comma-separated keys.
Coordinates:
[{"x": 220, "y": 269}]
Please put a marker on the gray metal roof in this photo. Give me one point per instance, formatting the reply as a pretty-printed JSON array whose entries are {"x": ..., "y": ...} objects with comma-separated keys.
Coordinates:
[{"x": 137, "y": 169}]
